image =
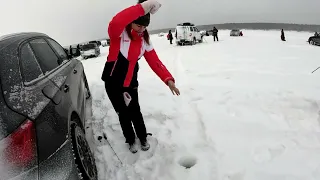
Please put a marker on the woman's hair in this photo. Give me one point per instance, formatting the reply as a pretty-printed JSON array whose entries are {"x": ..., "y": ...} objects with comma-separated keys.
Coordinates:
[{"x": 146, "y": 36}]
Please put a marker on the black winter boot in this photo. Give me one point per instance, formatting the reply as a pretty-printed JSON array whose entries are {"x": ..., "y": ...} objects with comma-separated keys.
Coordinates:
[
  {"x": 133, "y": 148},
  {"x": 145, "y": 145}
]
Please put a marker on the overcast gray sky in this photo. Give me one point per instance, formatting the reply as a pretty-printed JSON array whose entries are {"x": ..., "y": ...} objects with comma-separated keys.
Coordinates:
[{"x": 73, "y": 21}]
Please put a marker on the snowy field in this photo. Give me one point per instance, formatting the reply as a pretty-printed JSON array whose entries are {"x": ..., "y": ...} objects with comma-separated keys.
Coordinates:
[{"x": 248, "y": 110}]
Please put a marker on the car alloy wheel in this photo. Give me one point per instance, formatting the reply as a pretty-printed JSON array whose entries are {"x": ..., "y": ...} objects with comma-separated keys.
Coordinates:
[{"x": 83, "y": 155}]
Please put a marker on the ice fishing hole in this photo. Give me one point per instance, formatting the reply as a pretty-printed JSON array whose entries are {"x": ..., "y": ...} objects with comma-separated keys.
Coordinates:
[{"x": 187, "y": 161}]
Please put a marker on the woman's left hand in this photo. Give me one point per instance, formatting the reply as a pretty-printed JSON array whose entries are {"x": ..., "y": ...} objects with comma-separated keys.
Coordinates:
[{"x": 173, "y": 88}]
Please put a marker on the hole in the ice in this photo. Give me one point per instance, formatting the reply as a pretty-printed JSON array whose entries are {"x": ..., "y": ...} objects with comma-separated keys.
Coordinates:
[{"x": 188, "y": 161}]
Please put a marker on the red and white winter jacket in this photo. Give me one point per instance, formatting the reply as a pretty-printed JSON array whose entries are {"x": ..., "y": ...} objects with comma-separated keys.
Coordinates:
[{"x": 122, "y": 66}]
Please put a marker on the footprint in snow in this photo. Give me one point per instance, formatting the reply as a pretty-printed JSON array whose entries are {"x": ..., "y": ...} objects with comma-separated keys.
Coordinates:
[{"x": 265, "y": 154}]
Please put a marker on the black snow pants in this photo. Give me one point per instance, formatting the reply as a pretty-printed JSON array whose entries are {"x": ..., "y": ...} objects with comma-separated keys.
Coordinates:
[
  {"x": 128, "y": 115},
  {"x": 215, "y": 36}
]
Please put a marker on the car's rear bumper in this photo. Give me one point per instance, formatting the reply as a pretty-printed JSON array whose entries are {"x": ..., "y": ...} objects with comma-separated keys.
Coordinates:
[{"x": 184, "y": 40}]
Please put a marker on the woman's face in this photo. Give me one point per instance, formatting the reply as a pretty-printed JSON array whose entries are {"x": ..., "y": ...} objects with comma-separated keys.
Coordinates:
[{"x": 138, "y": 28}]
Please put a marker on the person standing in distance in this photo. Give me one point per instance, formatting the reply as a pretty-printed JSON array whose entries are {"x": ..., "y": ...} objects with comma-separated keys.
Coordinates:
[
  {"x": 129, "y": 41},
  {"x": 215, "y": 34}
]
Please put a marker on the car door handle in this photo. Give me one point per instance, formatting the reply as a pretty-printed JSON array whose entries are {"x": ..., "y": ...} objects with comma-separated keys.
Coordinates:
[{"x": 66, "y": 88}]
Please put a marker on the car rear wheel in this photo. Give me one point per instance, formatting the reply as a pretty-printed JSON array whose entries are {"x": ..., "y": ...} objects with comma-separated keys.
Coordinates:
[
  {"x": 194, "y": 41},
  {"x": 200, "y": 41},
  {"x": 84, "y": 158},
  {"x": 311, "y": 42}
]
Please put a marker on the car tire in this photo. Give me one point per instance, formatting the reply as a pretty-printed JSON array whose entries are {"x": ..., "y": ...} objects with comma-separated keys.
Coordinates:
[
  {"x": 311, "y": 42},
  {"x": 84, "y": 158},
  {"x": 194, "y": 41},
  {"x": 201, "y": 40}
]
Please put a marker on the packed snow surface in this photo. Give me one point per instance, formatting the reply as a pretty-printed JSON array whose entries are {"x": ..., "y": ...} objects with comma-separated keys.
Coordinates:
[{"x": 248, "y": 110}]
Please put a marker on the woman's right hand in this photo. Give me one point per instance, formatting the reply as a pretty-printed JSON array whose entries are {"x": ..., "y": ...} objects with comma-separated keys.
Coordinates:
[
  {"x": 173, "y": 88},
  {"x": 150, "y": 6}
]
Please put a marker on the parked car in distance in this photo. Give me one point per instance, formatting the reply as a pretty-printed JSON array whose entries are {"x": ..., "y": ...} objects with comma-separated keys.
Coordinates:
[
  {"x": 187, "y": 33},
  {"x": 90, "y": 50},
  {"x": 314, "y": 40},
  {"x": 74, "y": 51},
  {"x": 235, "y": 32},
  {"x": 203, "y": 32},
  {"x": 45, "y": 101},
  {"x": 104, "y": 43},
  {"x": 97, "y": 42},
  {"x": 209, "y": 32}
]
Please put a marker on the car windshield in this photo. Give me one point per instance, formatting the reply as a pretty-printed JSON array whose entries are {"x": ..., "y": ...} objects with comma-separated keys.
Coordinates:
[{"x": 88, "y": 47}]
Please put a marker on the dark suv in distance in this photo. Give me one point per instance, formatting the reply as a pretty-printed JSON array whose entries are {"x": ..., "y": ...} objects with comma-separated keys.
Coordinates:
[
  {"x": 315, "y": 40},
  {"x": 44, "y": 103}
]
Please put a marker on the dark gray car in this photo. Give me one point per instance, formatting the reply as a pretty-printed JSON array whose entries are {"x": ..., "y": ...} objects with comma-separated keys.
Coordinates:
[
  {"x": 44, "y": 103},
  {"x": 314, "y": 40},
  {"x": 235, "y": 32}
]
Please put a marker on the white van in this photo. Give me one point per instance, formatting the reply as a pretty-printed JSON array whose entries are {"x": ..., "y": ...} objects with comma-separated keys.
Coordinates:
[{"x": 187, "y": 33}]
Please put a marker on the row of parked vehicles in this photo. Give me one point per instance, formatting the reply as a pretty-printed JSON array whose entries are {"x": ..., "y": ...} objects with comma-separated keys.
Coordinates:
[
  {"x": 87, "y": 50},
  {"x": 45, "y": 101},
  {"x": 188, "y": 33}
]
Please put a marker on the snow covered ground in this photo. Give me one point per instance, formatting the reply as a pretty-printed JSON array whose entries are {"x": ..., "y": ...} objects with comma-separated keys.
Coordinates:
[{"x": 248, "y": 110}]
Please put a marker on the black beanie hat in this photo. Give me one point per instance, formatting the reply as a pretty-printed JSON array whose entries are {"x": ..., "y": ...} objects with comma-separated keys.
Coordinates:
[{"x": 143, "y": 20}]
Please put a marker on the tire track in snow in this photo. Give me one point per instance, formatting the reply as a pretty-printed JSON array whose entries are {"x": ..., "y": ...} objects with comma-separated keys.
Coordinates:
[
  {"x": 107, "y": 163},
  {"x": 196, "y": 141},
  {"x": 190, "y": 103}
]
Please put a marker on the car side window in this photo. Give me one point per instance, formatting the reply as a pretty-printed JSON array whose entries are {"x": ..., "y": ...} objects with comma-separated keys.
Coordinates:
[
  {"x": 30, "y": 67},
  {"x": 46, "y": 57},
  {"x": 59, "y": 49}
]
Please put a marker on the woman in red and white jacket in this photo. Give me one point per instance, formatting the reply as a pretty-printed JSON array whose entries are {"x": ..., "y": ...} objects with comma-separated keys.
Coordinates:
[{"x": 129, "y": 41}]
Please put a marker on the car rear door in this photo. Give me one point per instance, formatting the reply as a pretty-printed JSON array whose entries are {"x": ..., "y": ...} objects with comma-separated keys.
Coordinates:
[
  {"x": 181, "y": 33},
  {"x": 72, "y": 85}
]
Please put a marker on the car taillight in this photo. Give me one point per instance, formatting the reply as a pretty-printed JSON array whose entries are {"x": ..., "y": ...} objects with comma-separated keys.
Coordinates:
[{"x": 18, "y": 152}]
